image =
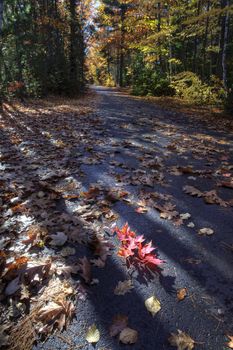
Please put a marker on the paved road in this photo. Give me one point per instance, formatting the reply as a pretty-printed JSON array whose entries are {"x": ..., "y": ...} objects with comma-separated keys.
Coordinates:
[{"x": 133, "y": 134}]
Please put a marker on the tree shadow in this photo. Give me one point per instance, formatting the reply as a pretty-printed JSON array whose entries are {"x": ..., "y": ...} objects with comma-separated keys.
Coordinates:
[{"x": 104, "y": 305}]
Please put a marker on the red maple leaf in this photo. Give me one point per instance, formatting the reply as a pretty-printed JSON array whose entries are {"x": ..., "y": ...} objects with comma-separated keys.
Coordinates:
[{"x": 134, "y": 250}]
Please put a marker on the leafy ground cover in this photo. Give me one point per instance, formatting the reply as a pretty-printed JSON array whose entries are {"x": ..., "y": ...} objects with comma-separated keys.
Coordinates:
[{"x": 116, "y": 226}]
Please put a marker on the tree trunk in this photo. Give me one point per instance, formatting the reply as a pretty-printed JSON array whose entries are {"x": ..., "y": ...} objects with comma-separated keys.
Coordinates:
[
  {"x": 73, "y": 62},
  {"x": 224, "y": 51},
  {"x": 195, "y": 43},
  {"x": 1, "y": 23},
  {"x": 205, "y": 41},
  {"x": 159, "y": 30},
  {"x": 1, "y": 16},
  {"x": 122, "y": 42}
]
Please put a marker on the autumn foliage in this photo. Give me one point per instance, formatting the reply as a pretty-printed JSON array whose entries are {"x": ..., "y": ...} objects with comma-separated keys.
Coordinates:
[{"x": 134, "y": 250}]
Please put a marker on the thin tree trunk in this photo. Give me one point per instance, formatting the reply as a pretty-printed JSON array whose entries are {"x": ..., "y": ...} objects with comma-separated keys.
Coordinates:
[
  {"x": 1, "y": 24},
  {"x": 205, "y": 41},
  {"x": 170, "y": 48},
  {"x": 224, "y": 51},
  {"x": 1, "y": 15},
  {"x": 122, "y": 42},
  {"x": 196, "y": 42},
  {"x": 159, "y": 30},
  {"x": 73, "y": 62}
]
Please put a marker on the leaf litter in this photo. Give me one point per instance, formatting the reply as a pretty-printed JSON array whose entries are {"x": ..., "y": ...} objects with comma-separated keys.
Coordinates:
[{"x": 39, "y": 256}]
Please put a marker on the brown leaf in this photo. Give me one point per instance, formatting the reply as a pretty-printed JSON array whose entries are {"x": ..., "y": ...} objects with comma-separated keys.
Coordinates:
[
  {"x": 93, "y": 192},
  {"x": 101, "y": 246},
  {"x": 4, "y": 338},
  {"x": 85, "y": 267},
  {"x": 211, "y": 197},
  {"x": 186, "y": 170},
  {"x": 226, "y": 184},
  {"x": 123, "y": 287},
  {"x": 181, "y": 294},
  {"x": 13, "y": 268},
  {"x": 192, "y": 191},
  {"x": 181, "y": 340},
  {"x": 168, "y": 215},
  {"x": 55, "y": 315},
  {"x": 128, "y": 336},
  {"x": 98, "y": 262},
  {"x": 35, "y": 235},
  {"x": 36, "y": 271},
  {"x": 119, "y": 323},
  {"x": 141, "y": 210},
  {"x": 18, "y": 263}
]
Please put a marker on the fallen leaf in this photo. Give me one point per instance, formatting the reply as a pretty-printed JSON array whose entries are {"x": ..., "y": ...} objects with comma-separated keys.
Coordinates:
[
  {"x": 119, "y": 323},
  {"x": 58, "y": 239},
  {"x": 186, "y": 170},
  {"x": 182, "y": 340},
  {"x": 185, "y": 216},
  {"x": 211, "y": 197},
  {"x": 98, "y": 262},
  {"x": 85, "y": 267},
  {"x": 141, "y": 210},
  {"x": 13, "y": 286},
  {"x": 226, "y": 184},
  {"x": 4, "y": 338},
  {"x": 181, "y": 294},
  {"x": 192, "y": 191},
  {"x": 153, "y": 305},
  {"x": 93, "y": 192},
  {"x": 67, "y": 251},
  {"x": 35, "y": 235},
  {"x": 55, "y": 314},
  {"x": 18, "y": 264},
  {"x": 101, "y": 246},
  {"x": 206, "y": 231},
  {"x": 230, "y": 343},
  {"x": 128, "y": 336},
  {"x": 93, "y": 334},
  {"x": 193, "y": 261},
  {"x": 123, "y": 287}
]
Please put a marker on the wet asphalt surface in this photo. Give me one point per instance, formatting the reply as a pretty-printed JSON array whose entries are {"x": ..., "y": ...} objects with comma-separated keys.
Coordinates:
[{"x": 201, "y": 264}]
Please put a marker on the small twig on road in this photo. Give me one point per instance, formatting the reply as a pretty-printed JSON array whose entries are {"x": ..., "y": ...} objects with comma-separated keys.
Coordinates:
[
  {"x": 227, "y": 246},
  {"x": 65, "y": 339}
]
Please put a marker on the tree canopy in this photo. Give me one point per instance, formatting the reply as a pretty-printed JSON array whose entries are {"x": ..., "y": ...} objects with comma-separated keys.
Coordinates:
[{"x": 164, "y": 47}]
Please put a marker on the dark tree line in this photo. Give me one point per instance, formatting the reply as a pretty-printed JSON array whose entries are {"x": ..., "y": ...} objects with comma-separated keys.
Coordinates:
[{"x": 42, "y": 47}]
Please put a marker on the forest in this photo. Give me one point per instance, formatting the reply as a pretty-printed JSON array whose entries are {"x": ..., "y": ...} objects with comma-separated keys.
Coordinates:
[
  {"x": 159, "y": 48},
  {"x": 116, "y": 174},
  {"x": 156, "y": 48}
]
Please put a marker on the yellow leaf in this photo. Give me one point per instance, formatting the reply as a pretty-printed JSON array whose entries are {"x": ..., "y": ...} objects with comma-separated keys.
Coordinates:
[
  {"x": 153, "y": 305},
  {"x": 128, "y": 336},
  {"x": 182, "y": 340},
  {"x": 93, "y": 334},
  {"x": 230, "y": 343}
]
